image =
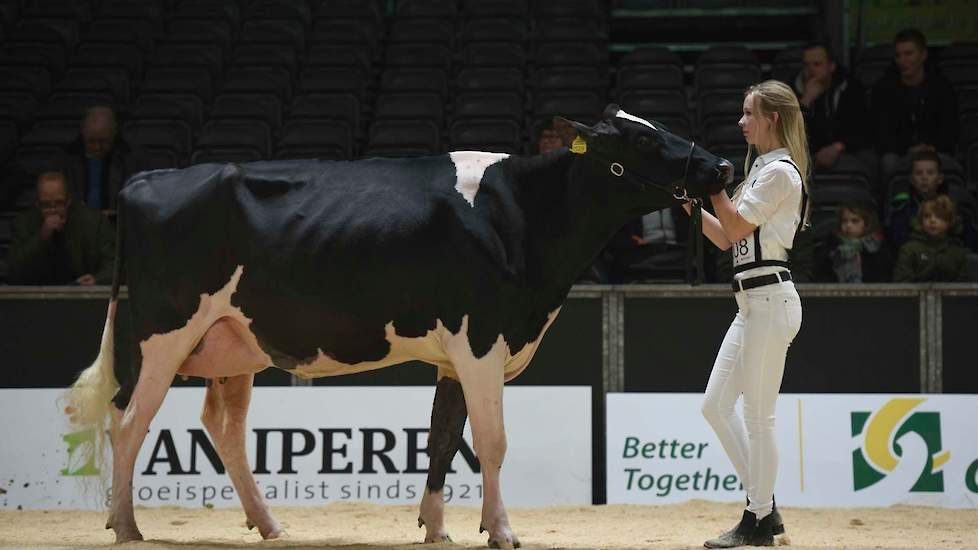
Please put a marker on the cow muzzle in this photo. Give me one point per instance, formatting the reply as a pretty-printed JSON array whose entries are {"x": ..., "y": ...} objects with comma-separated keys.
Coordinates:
[{"x": 725, "y": 172}]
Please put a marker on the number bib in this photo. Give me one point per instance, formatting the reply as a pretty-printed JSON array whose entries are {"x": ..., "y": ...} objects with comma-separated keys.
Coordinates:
[{"x": 747, "y": 250}]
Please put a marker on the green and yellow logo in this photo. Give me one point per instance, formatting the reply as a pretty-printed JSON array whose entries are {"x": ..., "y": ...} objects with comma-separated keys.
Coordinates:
[
  {"x": 81, "y": 454},
  {"x": 879, "y": 452}
]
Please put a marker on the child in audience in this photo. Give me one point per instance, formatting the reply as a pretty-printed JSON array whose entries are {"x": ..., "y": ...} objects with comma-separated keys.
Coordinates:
[
  {"x": 855, "y": 253},
  {"x": 926, "y": 182},
  {"x": 934, "y": 252}
]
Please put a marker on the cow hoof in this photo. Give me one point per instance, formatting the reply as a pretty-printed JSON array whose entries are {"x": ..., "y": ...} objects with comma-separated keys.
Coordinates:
[
  {"x": 440, "y": 535},
  {"x": 276, "y": 534},
  {"x": 126, "y": 535},
  {"x": 514, "y": 543},
  {"x": 250, "y": 524}
]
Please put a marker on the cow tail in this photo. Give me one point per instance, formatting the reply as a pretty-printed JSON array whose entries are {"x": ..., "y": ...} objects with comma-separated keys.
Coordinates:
[{"x": 87, "y": 401}]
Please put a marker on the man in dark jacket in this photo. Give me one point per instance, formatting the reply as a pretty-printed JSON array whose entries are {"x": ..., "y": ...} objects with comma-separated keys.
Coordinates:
[
  {"x": 61, "y": 242},
  {"x": 914, "y": 108},
  {"x": 99, "y": 162},
  {"x": 834, "y": 105}
]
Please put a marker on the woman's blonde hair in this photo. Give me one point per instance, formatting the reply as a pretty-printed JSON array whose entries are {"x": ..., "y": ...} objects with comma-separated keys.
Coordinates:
[{"x": 773, "y": 96}]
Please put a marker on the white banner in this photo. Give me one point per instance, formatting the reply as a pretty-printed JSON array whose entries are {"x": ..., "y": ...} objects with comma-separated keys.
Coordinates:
[
  {"x": 834, "y": 450},
  {"x": 307, "y": 446}
]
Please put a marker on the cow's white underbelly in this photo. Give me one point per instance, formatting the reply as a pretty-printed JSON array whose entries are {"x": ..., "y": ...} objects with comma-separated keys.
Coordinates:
[{"x": 176, "y": 347}]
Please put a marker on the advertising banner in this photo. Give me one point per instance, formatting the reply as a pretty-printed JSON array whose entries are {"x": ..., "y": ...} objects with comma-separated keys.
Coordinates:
[
  {"x": 833, "y": 450},
  {"x": 306, "y": 446}
]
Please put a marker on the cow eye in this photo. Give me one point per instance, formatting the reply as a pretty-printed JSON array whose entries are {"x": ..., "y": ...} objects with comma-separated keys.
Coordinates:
[{"x": 644, "y": 142}]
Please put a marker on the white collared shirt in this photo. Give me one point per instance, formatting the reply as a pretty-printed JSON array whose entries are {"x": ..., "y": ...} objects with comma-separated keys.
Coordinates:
[{"x": 771, "y": 200}]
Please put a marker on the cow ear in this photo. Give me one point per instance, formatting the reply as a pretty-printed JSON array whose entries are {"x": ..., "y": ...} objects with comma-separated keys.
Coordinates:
[{"x": 568, "y": 129}]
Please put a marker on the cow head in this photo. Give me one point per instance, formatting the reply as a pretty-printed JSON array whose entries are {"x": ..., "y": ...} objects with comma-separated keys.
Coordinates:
[{"x": 643, "y": 153}]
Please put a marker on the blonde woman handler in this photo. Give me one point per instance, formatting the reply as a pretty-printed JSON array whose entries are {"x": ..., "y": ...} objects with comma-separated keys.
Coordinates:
[{"x": 759, "y": 226}]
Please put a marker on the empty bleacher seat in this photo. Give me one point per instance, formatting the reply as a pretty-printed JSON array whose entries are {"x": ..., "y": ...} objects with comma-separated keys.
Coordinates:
[
  {"x": 443, "y": 9},
  {"x": 265, "y": 56},
  {"x": 420, "y": 79},
  {"x": 266, "y": 108},
  {"x": 650, "y": 77},
  {"x": 339, "y": 55},
  {"x": 184, "y": 107},
  {"x": 490, "y": 79},
  {"x": 651, "y": 56},
  {"x": 260, "y": 80},
  {"x": 723, "y": 77},
  {"x": 227, "y": 135},
  {"x": 108, "y": 55},
  {"x": 584, "y": 107},
  {"x": 173, "y": 136},
  {"x": 497, "y": 136},
  {"x": 570, "y": 53},
  {"x": 418, "y": 54},
  {"x": 494, "y": 29},
  {"x": 342, "y": 107},
  {"x": 48, "y": 137},
  {"x": 493, "y": 54},
  {"x": 281, "y": 32},
  {"x": 19, "y": 108},
  {"x": 8, "y": 139},
  {"x": 441, "y": 31},
  {"x": 400, "y": 138},
  {"x": 333, "y": 80},
  {"x": 225, "y": 154},
  {"x": 410, "y": 105},
  {"x": 185, "y": 80},
  {"x": 586, "y": 77},
  {"x": 491, "y": 105},
  {"x": 654, "y": 103},
  {"x": 325, "y": 139}
]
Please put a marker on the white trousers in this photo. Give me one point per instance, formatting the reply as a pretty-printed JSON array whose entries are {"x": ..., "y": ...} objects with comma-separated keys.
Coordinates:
[{"x": 751, "y": 363}]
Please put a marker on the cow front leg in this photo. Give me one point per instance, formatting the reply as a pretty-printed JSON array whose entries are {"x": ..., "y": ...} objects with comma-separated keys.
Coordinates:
[
  {"x": 127, "y": 432},
  {"x": 224, "y": 417},
  {"x": 482, "y": 383},
  {"x": 447, "y": 422}
]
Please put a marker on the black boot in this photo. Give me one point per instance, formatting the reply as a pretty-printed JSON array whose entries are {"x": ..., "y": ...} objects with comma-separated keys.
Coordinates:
[
  {"x": 777, "y": 524},
  {"x": 776, "y": 521},
  {"x": 749, "y": 532}
]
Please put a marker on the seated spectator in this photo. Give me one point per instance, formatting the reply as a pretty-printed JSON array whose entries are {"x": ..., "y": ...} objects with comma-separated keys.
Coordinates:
[
  {"x": 926, "y": 182},
  {"x": 934, "y": 252},
  {"x": 855, "y": 252},
  {"x": 834, "y": 106},
  {"x": 914, "y": 107},
  {"x": 61, "y": 241},
  {"x": 549, "y": 139},
  {"x": 99, "y": 162}
]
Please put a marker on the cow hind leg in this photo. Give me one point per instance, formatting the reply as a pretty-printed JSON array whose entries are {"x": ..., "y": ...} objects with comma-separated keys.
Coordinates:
[
  {"x": 447, "y": 422},
  {"x": 224, "y": 415},
  {"x": 482, "y": 384},
  {"x": 127, "y": 433}
]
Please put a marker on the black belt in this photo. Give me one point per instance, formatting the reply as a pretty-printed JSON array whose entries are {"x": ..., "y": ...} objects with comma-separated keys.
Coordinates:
[{"x": 761, "y": 280}]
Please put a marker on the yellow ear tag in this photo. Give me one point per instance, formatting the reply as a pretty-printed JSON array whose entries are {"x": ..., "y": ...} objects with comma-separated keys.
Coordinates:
[{"x": 578, "y": 146}]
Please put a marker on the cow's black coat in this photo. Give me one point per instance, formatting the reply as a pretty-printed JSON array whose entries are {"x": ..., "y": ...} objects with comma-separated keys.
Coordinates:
[{"x": 333, "y": 251}]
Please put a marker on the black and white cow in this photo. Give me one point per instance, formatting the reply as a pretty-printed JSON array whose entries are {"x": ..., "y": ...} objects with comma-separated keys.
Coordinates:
[{"x": 323, "y": 268}]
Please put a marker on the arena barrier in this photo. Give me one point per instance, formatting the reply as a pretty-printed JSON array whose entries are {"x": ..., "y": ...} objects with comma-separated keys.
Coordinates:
[{"x": 890, "y": 340}]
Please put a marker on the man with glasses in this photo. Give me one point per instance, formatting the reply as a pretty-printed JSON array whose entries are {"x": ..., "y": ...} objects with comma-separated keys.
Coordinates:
[{"x": 60, "y": 241}]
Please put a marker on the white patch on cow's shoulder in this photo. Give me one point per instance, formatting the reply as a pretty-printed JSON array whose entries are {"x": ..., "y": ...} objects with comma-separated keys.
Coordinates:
[
  {"x": 633, "y": 118},
  {"x": 469, "y": 168}
]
